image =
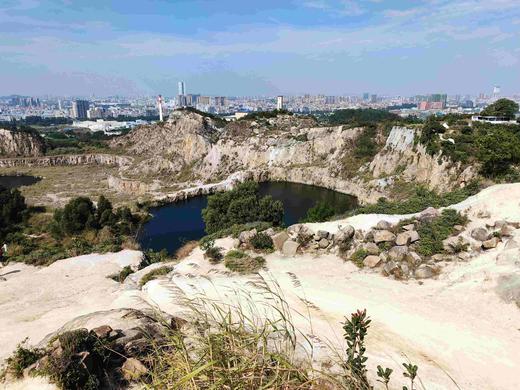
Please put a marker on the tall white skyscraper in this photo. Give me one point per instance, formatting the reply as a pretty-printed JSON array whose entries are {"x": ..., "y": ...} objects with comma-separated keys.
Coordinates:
[
  {"x": 182, "y": 88},
  {"x": 279, "y": 103}
]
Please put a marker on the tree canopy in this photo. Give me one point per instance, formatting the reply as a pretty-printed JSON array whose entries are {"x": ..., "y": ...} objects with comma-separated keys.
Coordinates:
[
  {"x": 241, "y": 205},
  {"x": 502, "y": 108},
  {"x": 12, "y": 205}
]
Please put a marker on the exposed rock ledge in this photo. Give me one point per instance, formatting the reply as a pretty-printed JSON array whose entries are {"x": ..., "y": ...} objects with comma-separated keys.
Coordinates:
[{"x": 73, "y": 159}]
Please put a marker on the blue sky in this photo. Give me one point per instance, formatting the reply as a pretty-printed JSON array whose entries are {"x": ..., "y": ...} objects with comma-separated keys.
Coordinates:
[{"x": 83, "y": 47}]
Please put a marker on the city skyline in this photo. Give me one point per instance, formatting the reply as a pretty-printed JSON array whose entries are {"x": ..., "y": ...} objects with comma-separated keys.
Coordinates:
[{"x": 79, "y": 48}]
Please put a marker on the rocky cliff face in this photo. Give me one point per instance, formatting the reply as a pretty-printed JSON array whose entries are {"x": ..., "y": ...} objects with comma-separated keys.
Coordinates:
[
  {"x": 65, "y": 160},
  {"x": 190, "y": 148},
  {"x": 18, "y": 144}
]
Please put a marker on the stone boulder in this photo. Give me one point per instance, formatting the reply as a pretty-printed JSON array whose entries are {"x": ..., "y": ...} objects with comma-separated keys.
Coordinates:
[
  {"x": 372, "y": 261},
  {"x": 398, "y": 253},
  {"x": 480, "y": 234},
  {"x": 371, "y": 248},
  {"x": 290, "y": 247},
  {"x": 323, "y": 243},
  {"x": 406, "y": 238},
  {"x": 506, "y": 231},
  {"x": 133, "y": 369},
  {"x": 279, "y": 239},
  {"x": 425, "y": 271},
  {"x": 344, "y": 235},
  {"x": 409, "y": 227},
  {"x": 413, "y": 259},
  {"x": 383, "y": 225},
  {"x": 429, "y": 214},
  {"x": 383, "y": 236},
  {"x": 491, "y": 243},
  {"x": 245, "y": 236},
  {"x": 300, "y": 233},
  {"x": 455, "y": 244},
  {"x": 390, "y": 268}
]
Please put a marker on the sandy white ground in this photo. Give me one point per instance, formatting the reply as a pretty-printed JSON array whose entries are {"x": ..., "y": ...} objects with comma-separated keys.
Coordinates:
[{"x": 456, "y": 326}]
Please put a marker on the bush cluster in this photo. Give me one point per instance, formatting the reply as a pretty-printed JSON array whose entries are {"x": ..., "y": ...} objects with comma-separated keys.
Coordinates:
[
  {"x": 262, "y": 241},
  {"x": 241, "y": 262},
  {"x": 12, "y": 207},
  {"x": 321, "y": 212},
  {"x": 433, "y": 232},
  {"x": 240, "y": 205}
]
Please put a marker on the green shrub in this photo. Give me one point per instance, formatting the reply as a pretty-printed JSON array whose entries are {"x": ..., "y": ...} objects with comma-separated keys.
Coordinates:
[
  {"x": 240, "y": 205},
  {"x": 12, "y": 206},
  {"x": 501, "y": 108},
  {"x": 214, "y": 254},
  {"x": 319, "y": 213},
  {"x": 241, "y": 262},
  {"x": 22, "y": 358},
  {"x": 68, "y": 371},
  {"x": 420, "y": 200},
  {"x": 151, "y": 257},
  {"x": 358, "y": 256},
  {"x": 154, "y": 274},
  {"x": 262, "y": 241},
  {"x": 433, "y": 232},
  {"x": 122, "y": 275}
]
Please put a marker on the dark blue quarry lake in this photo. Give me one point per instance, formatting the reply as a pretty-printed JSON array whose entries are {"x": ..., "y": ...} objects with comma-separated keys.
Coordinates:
[
  {"x": 13, "y": 181},
  {"x": 174, "y": 224}
]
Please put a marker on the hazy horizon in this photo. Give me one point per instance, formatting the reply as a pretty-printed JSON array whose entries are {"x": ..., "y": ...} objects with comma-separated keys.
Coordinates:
[{"x": 332, "y": 47}]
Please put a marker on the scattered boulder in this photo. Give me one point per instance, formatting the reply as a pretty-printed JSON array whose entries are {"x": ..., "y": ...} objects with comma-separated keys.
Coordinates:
[
  {"x": 383, "y": 236},
  {"x": 383, "y": 225},
  {"x": 455, "y": 244},
  {"x": 480, "y": 234},
  {"x": 483, "y": 214},
  {"x": 322, "y": 234},
  {"x": 372, "y": 261},
  {"x": 458, "y": 228},
  {"x": 246, "y": 236},
  {"x": 371, "y": 248},
  {"x": 511, "y": 244},
  {"x": 344, "y": 236},
  {"x": 279, "y": 239},
  {"x": 414, "y": 259},
  {"x": 102, "y": 332},
  {"x": 323, "y": 243},
  {"x": 491, "y": 243},
  {"x": 429, "y": 214},
  {"x": 438, "y": 257},
  {"x": 406, "y": 238},
  {"x": 270, "y": 232},
  {"x": 390, "y": 268},
  {"x": 300, "y": 233},
  {"x": 506, "y": 231},
  {"x": 500, "y": 224},
  {"x": 290, "y": 247},
  {"x": 133, "y": 369},
  {"x": 398, "y": 253},
  {"x": 409, "y": 227},
  {"x": 425, "y": 271}
]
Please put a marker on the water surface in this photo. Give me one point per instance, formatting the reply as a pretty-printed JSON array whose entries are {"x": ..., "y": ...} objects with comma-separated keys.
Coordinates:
[
  {"x": 176, "y": 223},
  {"x": 14, "y": 181}
]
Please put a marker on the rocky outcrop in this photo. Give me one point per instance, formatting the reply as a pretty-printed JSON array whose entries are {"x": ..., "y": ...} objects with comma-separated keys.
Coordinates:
[
  {"x": 20, "y": 143},
  {"x": 64, "y": 160},
  {"x": 402, "y": 157}
]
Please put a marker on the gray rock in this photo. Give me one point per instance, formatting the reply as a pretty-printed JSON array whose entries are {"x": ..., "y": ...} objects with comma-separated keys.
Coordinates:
[
  {"x": 383, "y": 225},
  {"x": 428, "y": 214},
  {"x": 414, "y": 259},
  {"x": 407, "y": 237},
  {"x": 344, "y": 235},
  {"x": 409, "y": 227},
  {"x": 455, "y": 244},
  {"x": 322, "y": 234},
  {"x": 383, "y": 236},
  {"x": 245, "y": 236},
  {"x": 511, "y": 244},
  {"x": 133, "y": 369},
  {"x": 438, "y": 257},
  {"x": 371, "y": 248},
  {"x": 290, "y": 247},
  {"x": 483, "y": 214},
  {"x": 424, "y": 272},
  {"x": 372, "y": 261},
  {"x": 491, "y": 243},
  {"x": 270, "y": 232},
  {"x": 500, "y": 223},
  {"x": 323, "y": 243},
  {"x": 480, "y": 234},
  {"x": 369, "y": 237},
  {"x": 464, "y": 256},
  {"x": 300, "y": 233},
  {"x": 390, "y": 268},
  {"x": 398, "y": 253},
  {"x": 279, "y": 239},
  {"x": 405, "y": 270},
  {"x": 506, "y": 231}
]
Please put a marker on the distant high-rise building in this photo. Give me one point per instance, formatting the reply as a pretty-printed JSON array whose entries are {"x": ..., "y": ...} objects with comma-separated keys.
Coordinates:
[
  {"x": 160, "y": 107},
  {"x": 204, "y": 100},
  {"x": 279, "y": 103},
  {"x": 496, "y": 91},
  {"x": 373, "y": 98},
  {"x": 80, "y": 108},
  {"x": 182, "y": 88},
  {"x": 366, "y": 96},
  {"x": 220, "y": 101}
]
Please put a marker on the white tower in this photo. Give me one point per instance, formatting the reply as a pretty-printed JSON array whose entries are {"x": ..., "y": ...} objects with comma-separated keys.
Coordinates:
[
  {"x": 159, "y": 104},
  {"x": 279, "y": 103},
  {"x": 496, "y": 91},
  {"x": 182, "y": 88}
]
